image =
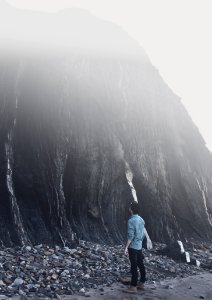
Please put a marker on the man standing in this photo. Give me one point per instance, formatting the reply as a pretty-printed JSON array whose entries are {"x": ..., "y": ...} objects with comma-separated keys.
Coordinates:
[{"x": 134, "y": 247}]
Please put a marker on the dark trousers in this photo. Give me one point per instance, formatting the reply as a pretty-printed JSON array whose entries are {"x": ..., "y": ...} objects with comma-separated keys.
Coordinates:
[{"x": 136, "y": 260}]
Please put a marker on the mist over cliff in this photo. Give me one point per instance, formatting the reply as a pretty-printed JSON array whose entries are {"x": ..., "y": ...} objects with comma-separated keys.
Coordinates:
[{"x": 86, "y": 122}]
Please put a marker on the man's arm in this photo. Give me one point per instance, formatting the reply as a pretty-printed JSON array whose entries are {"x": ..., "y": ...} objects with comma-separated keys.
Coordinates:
[
  {"x": 127, "y": 246},
  {"x": 130, "y": 235}
]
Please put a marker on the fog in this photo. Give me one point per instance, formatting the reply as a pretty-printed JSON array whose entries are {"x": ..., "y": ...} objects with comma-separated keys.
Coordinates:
[
  {"x": 87, "y": 124},
  {"x": 69, "y": 31},
  {"x": 176, "y": 35}
]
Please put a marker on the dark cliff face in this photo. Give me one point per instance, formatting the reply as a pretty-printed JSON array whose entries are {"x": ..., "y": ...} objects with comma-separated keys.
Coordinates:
[{"x": 78, "y": 130}]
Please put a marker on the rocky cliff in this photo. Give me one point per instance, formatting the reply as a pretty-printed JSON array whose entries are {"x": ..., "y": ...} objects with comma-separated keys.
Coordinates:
[{"x": 84, "y": 129}]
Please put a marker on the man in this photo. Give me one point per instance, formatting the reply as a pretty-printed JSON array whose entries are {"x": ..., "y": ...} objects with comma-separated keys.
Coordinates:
[{"x": 134, "y": 247}]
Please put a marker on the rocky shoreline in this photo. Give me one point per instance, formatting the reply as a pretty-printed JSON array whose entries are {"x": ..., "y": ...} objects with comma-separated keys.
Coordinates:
[{"x": 52, "y": 272}]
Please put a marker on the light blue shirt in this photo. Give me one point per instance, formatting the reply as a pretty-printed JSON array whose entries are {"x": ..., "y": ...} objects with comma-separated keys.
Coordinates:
[{"x": 135, "y": 231}]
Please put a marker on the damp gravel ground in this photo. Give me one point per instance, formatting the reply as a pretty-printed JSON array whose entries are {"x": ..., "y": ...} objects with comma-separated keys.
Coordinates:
[{"x": 43, "y": 272}]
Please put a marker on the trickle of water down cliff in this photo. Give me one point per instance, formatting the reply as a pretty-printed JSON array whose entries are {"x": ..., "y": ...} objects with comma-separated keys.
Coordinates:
[{"x": 82, "y": 134}]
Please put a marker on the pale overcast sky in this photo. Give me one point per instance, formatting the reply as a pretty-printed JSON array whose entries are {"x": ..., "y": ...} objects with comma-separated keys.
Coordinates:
[{"x": 177, "y": 36}]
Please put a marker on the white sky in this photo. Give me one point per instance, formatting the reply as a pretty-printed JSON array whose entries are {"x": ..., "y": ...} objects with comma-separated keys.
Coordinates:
[{"x": 177, "y": 36}]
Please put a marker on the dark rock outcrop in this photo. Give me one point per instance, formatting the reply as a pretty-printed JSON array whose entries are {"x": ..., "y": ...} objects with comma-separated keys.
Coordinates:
[{"x": 78, "y": 130}]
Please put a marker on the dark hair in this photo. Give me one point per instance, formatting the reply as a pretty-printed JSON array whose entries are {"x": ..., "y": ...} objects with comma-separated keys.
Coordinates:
[{"x": 135, "y": 207}]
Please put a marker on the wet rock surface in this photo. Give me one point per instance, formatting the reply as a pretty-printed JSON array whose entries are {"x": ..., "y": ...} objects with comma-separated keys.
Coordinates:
[
  {"x": 44, "y": 272},
  {"x": 74, "y": 125}
]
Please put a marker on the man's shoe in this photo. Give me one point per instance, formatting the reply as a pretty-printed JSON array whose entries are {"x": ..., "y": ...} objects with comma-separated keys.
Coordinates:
[
  {"x": 140, "y": 286},
  {"x": 131, "y": 290}
]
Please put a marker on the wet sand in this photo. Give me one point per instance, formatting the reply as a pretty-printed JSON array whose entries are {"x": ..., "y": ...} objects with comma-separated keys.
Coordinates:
[{"x": 190, "y": 288}]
